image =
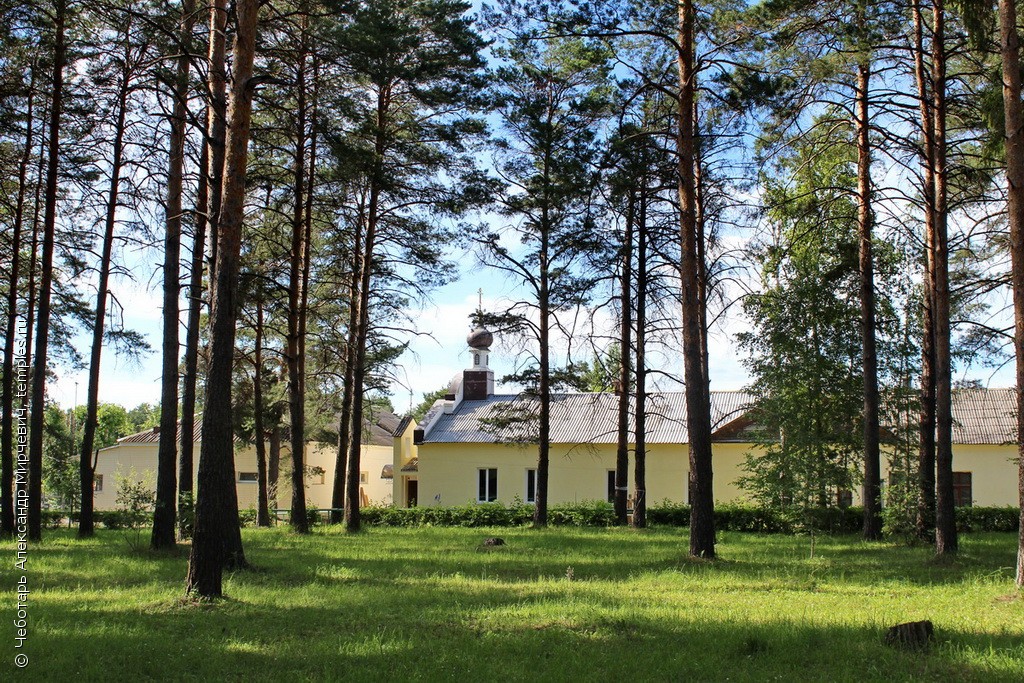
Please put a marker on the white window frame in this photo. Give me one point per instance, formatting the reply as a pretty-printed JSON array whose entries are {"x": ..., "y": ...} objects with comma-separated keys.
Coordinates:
[
  {"x": 527, "y": 498},
  {"x": 483, "y": 485},
  {"x": 254, "y": 480}
]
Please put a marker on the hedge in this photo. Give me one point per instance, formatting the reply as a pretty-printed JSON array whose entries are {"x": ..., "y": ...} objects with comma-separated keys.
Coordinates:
[
  {"x": 728, "y": 517},
  {"x": 598, "y": 513}
]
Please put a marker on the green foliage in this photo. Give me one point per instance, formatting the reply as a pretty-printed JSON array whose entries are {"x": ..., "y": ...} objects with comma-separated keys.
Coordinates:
[
  {"x": 60, "y": 459},
  {"x": 247, "y": 517},
  {"x": 804, "y": 349},
  {"x": 970, "y": 518},
  {"x": 428, "y": 400},
  {"x": 142, "y": 417},
  {"x": 135, "y": 497},
  {"x": 583, "y": 514}
]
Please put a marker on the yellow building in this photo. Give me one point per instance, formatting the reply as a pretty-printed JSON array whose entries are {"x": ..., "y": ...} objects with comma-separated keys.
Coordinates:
[
  {"x": 474, "y": 446},
  {"x": 138, "y": 454}
]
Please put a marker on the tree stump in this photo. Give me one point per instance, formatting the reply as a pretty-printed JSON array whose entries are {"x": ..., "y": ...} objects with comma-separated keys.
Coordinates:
[
  {"x": 913, "y": 635},
  {"x": 493, "y": 542}
]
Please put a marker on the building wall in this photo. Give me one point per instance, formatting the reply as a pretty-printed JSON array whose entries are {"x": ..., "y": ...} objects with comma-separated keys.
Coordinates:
[
  {"x": 448, "y": 473},
  {"x": 993, "y": 472},
  {"x": 320, "y": 489},
  {"x": 122, "y": 458},
  {"x": 404, "y": 450}
]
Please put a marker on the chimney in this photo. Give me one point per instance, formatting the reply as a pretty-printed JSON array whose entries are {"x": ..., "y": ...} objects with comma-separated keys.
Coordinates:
[{"x": 478, "y": 379}]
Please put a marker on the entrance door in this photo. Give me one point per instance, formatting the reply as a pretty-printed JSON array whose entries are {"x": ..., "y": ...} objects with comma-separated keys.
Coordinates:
[{"x": 411, "y": 493}]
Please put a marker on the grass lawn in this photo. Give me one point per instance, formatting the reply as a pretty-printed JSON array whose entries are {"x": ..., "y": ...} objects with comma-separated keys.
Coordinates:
[{"x": 561, "y": 604}]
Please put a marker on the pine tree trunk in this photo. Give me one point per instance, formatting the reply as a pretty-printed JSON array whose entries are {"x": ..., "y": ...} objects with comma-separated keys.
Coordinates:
[
  {"x": 216, "y": 121},
  {"x": 262, "y": 504},
  {"x": 14, "y": 282},
  {"x": 945, "y": 518},
  {"x": 348, "y": 390},
  {"x": 625, "y": 344},
  {"x": 186, "y": 495},
  {"x": 698, "y": 408},
  {"x": 85, "y": 461},
  {"x": 217, "y": 543},
  {"x": 925, "y": 522},
  {"x": 872, "y": 455},
  {"x": 293, "y": 354},
  {"x": 1014, "y": 123},
  {"x": 42, "y": 331},
  {"x": 640, "y": 440},
  {"x": 167, "y": 458}
]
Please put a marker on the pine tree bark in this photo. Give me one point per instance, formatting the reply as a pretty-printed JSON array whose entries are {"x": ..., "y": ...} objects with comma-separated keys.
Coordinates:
[
  {"x": 872, "y": 455},
  {"x": 338, "y": 497},
  {"x": 296, "y": 310},
  {"x": 262, "y": 503},
  {"x": 167, "y": 457},
  {"x": 625, "y": 344},
  {"x": 359, "y": 336},
  {"x": 85, "y": 461},
  {"x": 640, "y": 438},
  {"x": 1014, "y": 124},
  {"x": 186, "y": 448},
  {"x": 945, "y": 518},
  {"x": 217, "y": 543},
  {"x": 698, "y": 407},
  {"x": 216, "y": 121},
  {"x": 42, "y": 330},
  {"x": 925, "y": 522},
  {"x": 14, "y": 283}
]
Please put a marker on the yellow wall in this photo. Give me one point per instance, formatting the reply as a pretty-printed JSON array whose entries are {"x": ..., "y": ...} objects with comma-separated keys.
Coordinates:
[
  {"x": 143, "y": 457},
  {"x": 993, "y": 472},
  {"x": 122, "y": 458},
  {"x": 448, "y": 472},
  {"x": 371, "y": 462}
]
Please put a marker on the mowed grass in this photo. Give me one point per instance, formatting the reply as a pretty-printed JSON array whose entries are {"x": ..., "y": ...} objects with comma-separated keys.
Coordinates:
[{"x": 560, "y": 604}]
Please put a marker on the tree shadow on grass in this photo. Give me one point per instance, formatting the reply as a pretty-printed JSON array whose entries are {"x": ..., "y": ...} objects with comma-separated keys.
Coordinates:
[{"x": 478, "y": 633}]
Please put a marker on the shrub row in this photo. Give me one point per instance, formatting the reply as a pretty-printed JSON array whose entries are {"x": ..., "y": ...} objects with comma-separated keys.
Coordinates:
[
  {"x": 728, "y": 517},
  {"x": 987, "y": 518}
]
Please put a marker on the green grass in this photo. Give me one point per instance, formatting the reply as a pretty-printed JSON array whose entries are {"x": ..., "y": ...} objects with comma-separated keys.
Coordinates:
[{"x": 561, "y": 604}]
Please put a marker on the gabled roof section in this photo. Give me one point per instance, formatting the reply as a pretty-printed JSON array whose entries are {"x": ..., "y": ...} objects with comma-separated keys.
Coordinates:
[
  {"x": 980, "y": 417},
  {"x": 984, "y": 416},
  {"x": 577, "y": 418},
  {"x": 153, "y": 435}
]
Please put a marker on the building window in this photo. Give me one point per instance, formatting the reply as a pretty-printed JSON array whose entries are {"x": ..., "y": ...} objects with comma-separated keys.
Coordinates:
[
  {"x": 248, "y": 477},
  {"x": 476, "y": 359},
  {"x": 487, "y": 485},
  {"x": 844, "y": 498},
  {"x": 364, "y": 477},
  {"x": 611, "y": 486},
  {"x": 97, "y": 483},
  {"x": 531, "y": 486},
  {"x": 317, "y": 477},
  {"x": 962, "y": 494}
]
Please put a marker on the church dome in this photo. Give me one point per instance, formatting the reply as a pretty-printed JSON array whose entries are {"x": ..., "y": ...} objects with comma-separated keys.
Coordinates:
[{"x": 480, "y": 338}]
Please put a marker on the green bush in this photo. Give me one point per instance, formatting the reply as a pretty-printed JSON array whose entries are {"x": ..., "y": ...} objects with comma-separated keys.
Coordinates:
[
  {"x": 728, "y": 517},
  {"x": 112, "y": 519},
  {"x": 247, "y": 517},
  {"x": 987, "y": 518}
]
